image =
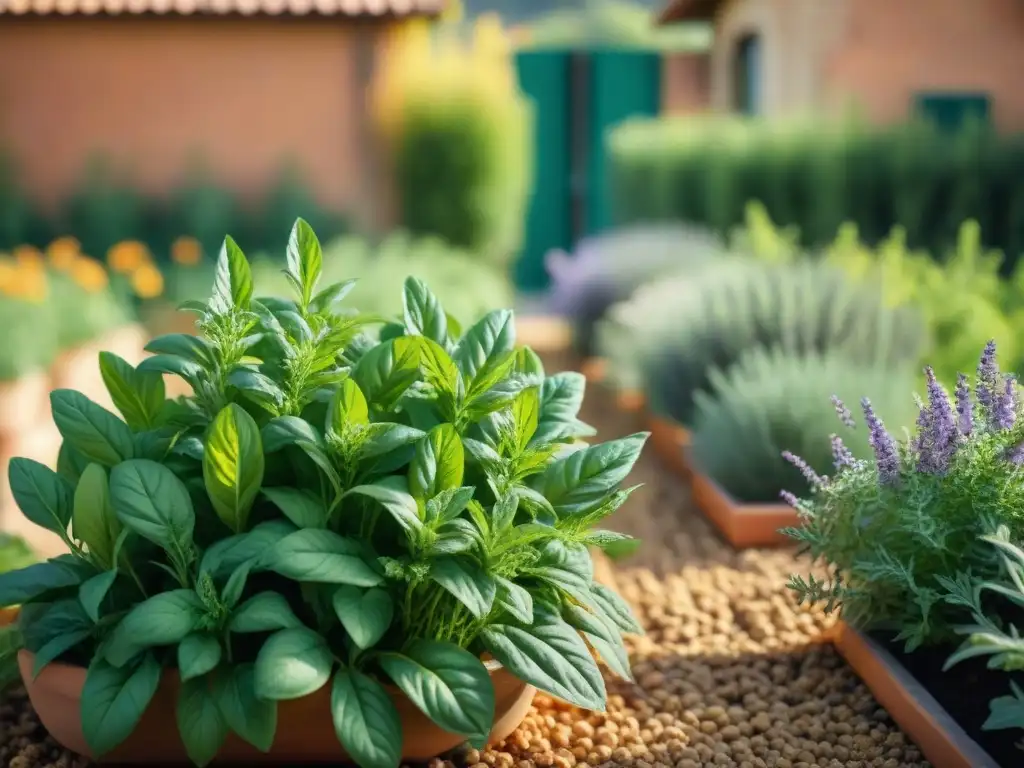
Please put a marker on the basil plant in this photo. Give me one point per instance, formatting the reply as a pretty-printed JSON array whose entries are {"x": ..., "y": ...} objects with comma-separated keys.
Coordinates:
[{"x": 330, "y": 507}]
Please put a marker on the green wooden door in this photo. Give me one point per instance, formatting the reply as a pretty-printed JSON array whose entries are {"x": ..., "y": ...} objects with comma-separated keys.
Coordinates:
[
  {"x": 577, "y": 98},
  {"x": 544, "y": 79},
  {"x": 623, "y": 84}
]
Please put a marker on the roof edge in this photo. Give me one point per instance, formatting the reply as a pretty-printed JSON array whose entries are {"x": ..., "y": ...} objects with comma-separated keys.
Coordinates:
[{"x": 689, "y": 10}]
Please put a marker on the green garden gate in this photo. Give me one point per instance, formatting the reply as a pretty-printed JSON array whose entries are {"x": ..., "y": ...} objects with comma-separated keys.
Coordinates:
[{"x": 577, "y": 97}]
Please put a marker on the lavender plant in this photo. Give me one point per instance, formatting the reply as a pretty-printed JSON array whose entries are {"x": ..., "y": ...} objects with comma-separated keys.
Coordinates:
[{"x": 889, "y": 529}]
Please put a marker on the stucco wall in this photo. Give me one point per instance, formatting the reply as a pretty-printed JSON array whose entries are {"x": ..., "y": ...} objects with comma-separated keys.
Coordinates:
[
  {"x": 244, "y": 94},
  {"x": 892, "y": 50},
  {"x": 685, "y": 82}
]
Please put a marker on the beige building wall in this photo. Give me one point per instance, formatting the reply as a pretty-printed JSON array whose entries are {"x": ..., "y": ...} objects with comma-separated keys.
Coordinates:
[{"x": 244, "y": 94}]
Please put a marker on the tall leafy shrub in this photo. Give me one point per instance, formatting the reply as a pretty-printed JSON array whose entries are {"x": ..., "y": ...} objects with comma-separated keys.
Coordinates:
[{"x": 458, "y": 132}]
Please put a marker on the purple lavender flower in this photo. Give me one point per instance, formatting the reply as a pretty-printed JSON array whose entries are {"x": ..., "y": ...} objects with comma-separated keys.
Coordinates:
[
  {"x": 937, "y": 433},
  {"x": 790, "y": 498},
  {"x": 988, "y": 381},
  {"x": 884, "y": 446},
  {"x": 843, "y": 412},
  {"x": 1015, "y": 455},
  {"x": 841, "y": 455},
  {"x": 812, "y": 477},
  {"x": 1005, "y": 413},
  {"x": 965, "y": 419}
]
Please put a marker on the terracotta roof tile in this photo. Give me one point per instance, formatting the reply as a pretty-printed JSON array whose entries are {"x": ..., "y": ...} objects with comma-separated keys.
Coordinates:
[
  {"x": 686, "y": 10},
  {"x": 223, "y": 7}
]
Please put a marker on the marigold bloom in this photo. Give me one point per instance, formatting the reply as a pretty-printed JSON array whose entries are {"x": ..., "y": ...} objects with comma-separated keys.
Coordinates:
[
  {"x": 89, "y": 274},
  {"x": 127, "y": 256},
  {"x": 29, "y": 256},
  {"x": 186, "y": 251},
  {"x": 63, "y": 252},
  {"x": 147, "y": 281}
]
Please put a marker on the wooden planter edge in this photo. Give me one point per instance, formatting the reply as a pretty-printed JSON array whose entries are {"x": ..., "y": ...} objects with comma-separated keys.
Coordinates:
[{"x": 941, "y": 740}]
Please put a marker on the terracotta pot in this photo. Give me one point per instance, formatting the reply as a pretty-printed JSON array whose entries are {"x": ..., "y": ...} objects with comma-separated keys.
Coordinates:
[
  {"x": 743, "y": 525},
  {"x": 305, "y": 731},
  {"x": 943, "y": 743},
  {"x": 23, "y": 402},
  {"x": 670, "y": 441},
  {"x": 7, "y": 616}
]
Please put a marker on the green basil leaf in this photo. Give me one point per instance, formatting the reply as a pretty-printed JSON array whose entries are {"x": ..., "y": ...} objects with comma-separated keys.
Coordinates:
[
  {"x": 562, "y": 397},
  {"x": 153, "y": 503},
  {"x": 93, "y": 521},
  {"x": 386, "y": 371},
  {"x": 382, "y": 438},
  {"x": 94, "y": 431},
  {"x": 92, "y": 592},
  {"x": 34, "y": 581},
  {"x": 526, "y": 413},
  {"x": 43, "y": 496},
  {"x": 439, "y": 370},
  {"x": 200, "y": 724},
  {"x": 138, "y": 395},
  {"x": 615, "y": 545},
  {"x": 392, "y": 494},
  {"x": 198, "y": 653},
  {"x": 348, "y": 407},
  {"x": 70, "y": 463},
  {"x": 227, "y": 555},
  {"x": 232, "y": 282},
  {"x": 365, "y": 614},
  {"x": 603, "y": 637},
  {"x": 610, "y": 605},
  {"x": 439, "y": 463},
  {"x": 528, "y": 362},
  {"x": 302, "y": 507},
  {"x": 448, "y": 504},
  {"x": 467, "y": 582},
  {"x": 515, "y": 600},
  {"x": 283, "y": 431},
  {"x": 486, "y": 344},
  {"x": 264, "y": 612},
  {"x": 259, "y": 388},
  {"x": 291, "y": 664},
  {"x": 448, "y": 684},
  {"x": 57, "y": 647},
  {"x": 186, "y": 345},
  {"x": 583, "y": 478},
  {"x": 164, "y": 619},
  {"x": 365, "y": 720},
  {"x": 455, "y": 537},
  {"x": 568, "y": 567},
  {"x": 233, "y": 466},
  {"x": 328, "y": 299},
  {"x": 423, "y": 313},
  {"x": 551, "y": 656},
  {"x": 321, "y": 556},
  {"x": 252, "y": 718},
  {"x": 172, "y": 364},
  {"x": 232, "y": 591},
  {"x": 114, "y": 699},
  {"x": 305, "y": 259}
]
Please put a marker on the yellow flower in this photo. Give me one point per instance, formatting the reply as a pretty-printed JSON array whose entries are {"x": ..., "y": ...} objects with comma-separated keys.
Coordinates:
[
  {"x": 63, "y": 252},
  {"x": 30, "y": 283},
  {"x": 29, "y": 256},
  {"x": 147, "y": 281},
  {"x": 186, "y": 251},
  {"x": 127, "y": 256},
  {"x": 8, "y": 276},
  {"x": 89, "y": 274}
]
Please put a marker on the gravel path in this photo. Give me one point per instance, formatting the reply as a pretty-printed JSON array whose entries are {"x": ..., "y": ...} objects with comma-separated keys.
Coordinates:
[{"x": 730, "y": 673}]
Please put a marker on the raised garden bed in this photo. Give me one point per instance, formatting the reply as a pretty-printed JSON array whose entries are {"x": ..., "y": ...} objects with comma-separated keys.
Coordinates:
[{"x": 930, "y": 704}]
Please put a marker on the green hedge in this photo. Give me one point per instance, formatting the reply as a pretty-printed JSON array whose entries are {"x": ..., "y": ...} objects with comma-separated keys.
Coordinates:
[
  {"x": 815, "y": 176},
  {"x": 106, "y": 208}
]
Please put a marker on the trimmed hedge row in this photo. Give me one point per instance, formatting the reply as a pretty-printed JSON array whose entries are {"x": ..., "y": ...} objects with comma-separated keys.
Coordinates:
[{"x": 816, "y": 176}]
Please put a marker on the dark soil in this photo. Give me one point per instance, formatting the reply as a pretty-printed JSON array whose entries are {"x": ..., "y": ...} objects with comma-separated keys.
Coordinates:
[{"x": 964, "y": 692}]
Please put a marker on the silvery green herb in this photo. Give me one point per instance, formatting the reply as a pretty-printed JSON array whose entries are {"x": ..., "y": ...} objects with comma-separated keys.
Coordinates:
[{"x": 385, "y": 509}]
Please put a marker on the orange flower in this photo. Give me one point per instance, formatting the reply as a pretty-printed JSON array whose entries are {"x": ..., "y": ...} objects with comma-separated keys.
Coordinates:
[
  {"x": 186, "y": 251},
  {"x": 147, "y": 281},
  {"x": 127, "y": 256},
  {"x": 8, "y": 276},
  {"x": 63, "y": 252},
  {"x": 89, "y": 274}
]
